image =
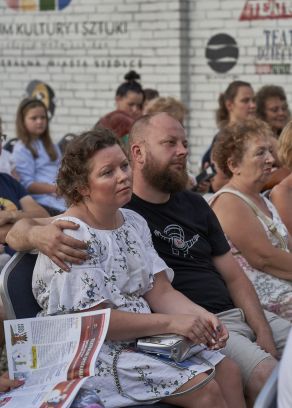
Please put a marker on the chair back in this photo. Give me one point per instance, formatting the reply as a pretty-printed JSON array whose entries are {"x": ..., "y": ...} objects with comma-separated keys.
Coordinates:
[
  {"x": 9, "y": 145},
  {"x": 16, "y": 287}
]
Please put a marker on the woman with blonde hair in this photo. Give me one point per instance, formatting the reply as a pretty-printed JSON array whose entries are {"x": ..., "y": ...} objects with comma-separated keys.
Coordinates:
[
  {"x": 281, "y": 194},
  {"x": 172, "y": 106}
]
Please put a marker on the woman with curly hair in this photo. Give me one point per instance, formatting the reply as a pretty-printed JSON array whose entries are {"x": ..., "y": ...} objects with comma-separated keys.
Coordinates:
[{"x": 259, "y": 240}]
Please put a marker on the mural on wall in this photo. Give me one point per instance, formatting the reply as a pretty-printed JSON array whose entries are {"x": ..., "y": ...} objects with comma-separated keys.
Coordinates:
[
  {"x": 37, "y": 5},
  {"x": 54, "y": 40},
  {"x": 262, "y": 10},
  {"x": 222, "y": 53},
  {"x": 42, "y": 91}
]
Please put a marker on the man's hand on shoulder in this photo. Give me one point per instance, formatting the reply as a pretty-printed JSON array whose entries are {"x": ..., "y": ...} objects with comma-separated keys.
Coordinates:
[{"x": 59, "y": 247}]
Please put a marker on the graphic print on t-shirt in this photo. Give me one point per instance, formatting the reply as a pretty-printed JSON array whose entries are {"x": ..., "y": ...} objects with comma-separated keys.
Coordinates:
[
  {"x": 7, "y": 205},
  {"x": 175, "y": 236}
]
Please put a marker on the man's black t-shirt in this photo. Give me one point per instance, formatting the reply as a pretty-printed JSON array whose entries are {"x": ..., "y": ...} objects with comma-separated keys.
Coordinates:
[
  {"x": 187, "y": 234},
  {"x": 11, "y": 192}
]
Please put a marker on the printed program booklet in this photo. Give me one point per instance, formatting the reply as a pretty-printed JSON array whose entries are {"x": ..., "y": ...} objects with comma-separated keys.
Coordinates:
[{"x": 54, "y": 355}]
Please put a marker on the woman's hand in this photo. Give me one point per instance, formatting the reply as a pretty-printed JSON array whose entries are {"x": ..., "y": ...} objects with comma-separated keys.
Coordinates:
[
  {"x": 202, "y": 327},
  {"x": 6, "y": 384},
  {"x": 6, "y": 217}
]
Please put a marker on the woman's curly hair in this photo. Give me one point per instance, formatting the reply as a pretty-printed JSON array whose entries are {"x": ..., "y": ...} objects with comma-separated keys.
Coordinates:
[
  {"x": 76, "y": 165},
  {"x": 232, "y": 140}
]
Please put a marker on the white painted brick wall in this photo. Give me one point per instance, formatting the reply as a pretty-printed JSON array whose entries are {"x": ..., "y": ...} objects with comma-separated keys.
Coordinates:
[
  {"x": 169, "y": 37},
  {"x": 208, "y": 18},
  {"x": 84, "y": 94}
]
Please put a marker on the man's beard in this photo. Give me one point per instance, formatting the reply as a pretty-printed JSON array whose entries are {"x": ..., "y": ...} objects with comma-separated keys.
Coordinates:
[{"x": 164, "y": 179}]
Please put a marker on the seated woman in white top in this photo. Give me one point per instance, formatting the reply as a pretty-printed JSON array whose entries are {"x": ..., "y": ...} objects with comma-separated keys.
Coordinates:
[{"x": 124, "y": 272}]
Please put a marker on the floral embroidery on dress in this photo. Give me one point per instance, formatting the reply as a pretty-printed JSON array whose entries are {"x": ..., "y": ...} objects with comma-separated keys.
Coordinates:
[{"x": 119, "y": 280}]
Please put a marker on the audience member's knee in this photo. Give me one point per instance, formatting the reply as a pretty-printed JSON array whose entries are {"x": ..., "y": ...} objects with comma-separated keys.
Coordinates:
[
  {"x": 231, "y": 369},
  {"x": 211, "y": 394},
  {"x": 260, "y": 374}
]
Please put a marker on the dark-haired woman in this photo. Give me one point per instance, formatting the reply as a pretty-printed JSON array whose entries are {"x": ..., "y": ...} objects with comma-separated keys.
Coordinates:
[
  {"x": 235, "y": 104},
  {"x": 272, "y": 107},
  {"x": 130, "y": 96},
  {"x": 129, "y": 102}
]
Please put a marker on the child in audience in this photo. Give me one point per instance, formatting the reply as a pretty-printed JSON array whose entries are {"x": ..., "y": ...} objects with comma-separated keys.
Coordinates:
[{"x": 36, "y": 157}]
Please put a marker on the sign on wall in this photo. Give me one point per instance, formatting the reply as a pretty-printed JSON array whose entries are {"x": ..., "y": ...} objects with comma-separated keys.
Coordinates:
[
  {"x": 222, "y": 53},
  {"x": 263, "y": 10},
  {"x": 37, "y": 5},
  {"x": 57, "y": 39}
]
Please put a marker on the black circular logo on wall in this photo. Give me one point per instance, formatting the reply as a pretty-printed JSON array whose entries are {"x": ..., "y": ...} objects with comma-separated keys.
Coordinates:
[{"x": 222, "y": 52}]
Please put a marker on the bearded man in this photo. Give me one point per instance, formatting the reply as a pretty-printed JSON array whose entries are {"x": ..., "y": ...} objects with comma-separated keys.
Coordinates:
[{"x": 188, "y": 236}]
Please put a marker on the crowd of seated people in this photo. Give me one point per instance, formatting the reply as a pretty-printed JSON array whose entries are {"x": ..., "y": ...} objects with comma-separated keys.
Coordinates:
[
  {"x": 223, "y": 289},
  {"x": 252, "y": 278},
  {"x": 238, "y": 103}
]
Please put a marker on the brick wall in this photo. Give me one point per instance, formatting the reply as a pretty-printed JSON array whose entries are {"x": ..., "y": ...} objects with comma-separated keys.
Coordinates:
[
  {"x": 83, "y": 51},
  {"x": 264, "y": 43}
]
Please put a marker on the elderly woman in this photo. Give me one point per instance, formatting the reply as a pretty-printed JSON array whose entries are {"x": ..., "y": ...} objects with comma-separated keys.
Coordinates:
[
  {"x": 272, "y": 107},
  {"x": 259, "y": 239},
  {"x": 281, "y": 194},
  {"x": 124, "y": 272}
]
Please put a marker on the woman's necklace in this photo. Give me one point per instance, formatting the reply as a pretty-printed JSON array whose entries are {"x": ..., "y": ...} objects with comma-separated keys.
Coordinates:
[{"x": 100, "y": 225}]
